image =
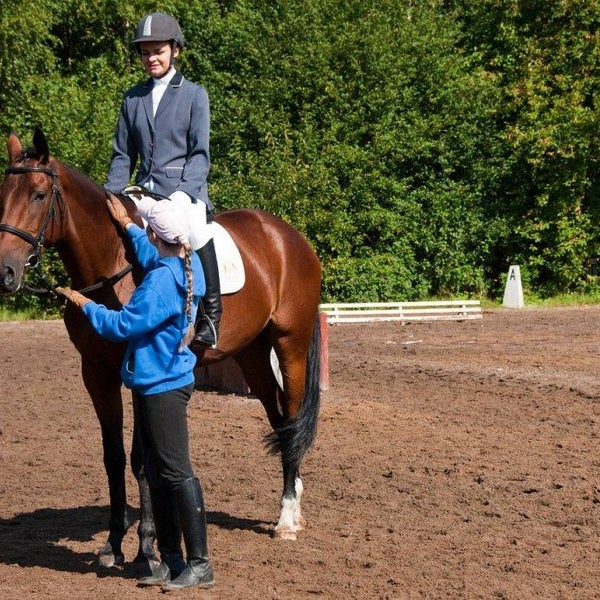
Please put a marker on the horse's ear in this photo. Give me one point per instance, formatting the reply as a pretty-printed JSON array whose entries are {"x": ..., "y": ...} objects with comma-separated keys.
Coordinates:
[
  {"x": 41, "y": 145},
  {"x": 15, "y": 148}
]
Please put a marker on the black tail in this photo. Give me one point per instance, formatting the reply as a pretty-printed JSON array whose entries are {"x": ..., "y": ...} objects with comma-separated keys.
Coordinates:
[{"x": 297, "y": 435}]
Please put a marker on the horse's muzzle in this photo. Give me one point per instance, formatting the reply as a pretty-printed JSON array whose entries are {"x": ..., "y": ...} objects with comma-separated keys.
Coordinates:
[{"x": 9, "y": 282}]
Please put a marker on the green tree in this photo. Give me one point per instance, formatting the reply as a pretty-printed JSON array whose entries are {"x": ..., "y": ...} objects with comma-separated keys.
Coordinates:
[
  {"x": 422, "y": 147},
  {"x": 546, "y": 56},
  {"x": 356, "y": 121}
]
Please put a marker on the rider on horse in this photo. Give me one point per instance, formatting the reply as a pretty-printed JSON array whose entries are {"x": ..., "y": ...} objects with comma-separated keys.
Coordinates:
[{"x": 164, "y": 125}]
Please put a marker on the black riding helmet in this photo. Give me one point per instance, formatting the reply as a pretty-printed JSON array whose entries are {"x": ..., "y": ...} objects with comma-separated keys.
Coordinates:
[{"x": 159, "y": 27}]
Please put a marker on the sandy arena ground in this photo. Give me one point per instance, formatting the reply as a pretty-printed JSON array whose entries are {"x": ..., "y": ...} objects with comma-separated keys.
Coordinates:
[{"x": 453, "y": 460}]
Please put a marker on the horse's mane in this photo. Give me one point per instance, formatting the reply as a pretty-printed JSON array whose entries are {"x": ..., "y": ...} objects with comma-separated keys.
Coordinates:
[{"x": 82, "y": 178}]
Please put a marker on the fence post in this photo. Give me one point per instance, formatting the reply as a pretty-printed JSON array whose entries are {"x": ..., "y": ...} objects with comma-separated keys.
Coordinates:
[{"x": 324, "y": 353}]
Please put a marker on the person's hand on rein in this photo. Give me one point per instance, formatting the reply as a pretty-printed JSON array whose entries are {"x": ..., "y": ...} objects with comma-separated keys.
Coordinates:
[
  {"x": 117, "y": 211},
  {"x": 76, "y": 298}
]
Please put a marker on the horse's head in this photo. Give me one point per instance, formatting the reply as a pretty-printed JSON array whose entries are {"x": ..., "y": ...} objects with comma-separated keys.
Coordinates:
[{"x": 28, "y": 206}]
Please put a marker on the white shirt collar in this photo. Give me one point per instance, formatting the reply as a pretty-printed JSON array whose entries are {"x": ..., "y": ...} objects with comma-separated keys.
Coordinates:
[
  {"x": 165, "y": 79},
  {"x": 159, "y": 88}
]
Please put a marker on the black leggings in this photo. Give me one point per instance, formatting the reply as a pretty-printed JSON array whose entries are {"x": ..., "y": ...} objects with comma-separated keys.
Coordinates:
[{"x": 162, "y": 420}]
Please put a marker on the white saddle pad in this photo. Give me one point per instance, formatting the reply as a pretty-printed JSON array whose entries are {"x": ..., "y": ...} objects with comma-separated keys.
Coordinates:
[{"x": 231, "y": 267}]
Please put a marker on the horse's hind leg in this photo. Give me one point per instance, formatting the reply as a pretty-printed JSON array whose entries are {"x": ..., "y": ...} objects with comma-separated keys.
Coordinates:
[
  {"x": 292, "y": 363},
  {"x": 299, "y": 356},
  {"x": 290, "y": 520},
  {"x": 256, "y": 365}
]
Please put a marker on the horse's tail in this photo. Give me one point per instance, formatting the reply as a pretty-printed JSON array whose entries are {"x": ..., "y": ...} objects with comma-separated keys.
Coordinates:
[{"x": 297, "y": 435}]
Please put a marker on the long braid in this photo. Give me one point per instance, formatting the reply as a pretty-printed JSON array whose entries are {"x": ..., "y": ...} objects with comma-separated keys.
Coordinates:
[{"x": 189, "y": 298}]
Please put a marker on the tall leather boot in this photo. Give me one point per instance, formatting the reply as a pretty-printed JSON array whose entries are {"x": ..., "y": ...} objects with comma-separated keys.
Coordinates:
[
  {"x": 192, "y": 516},
  {"x": 168, "y": 537},
  {"x": 209, "y": 310}
]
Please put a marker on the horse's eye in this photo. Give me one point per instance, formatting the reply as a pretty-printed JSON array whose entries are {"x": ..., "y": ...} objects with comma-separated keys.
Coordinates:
[{"x": 38, "y": 196}]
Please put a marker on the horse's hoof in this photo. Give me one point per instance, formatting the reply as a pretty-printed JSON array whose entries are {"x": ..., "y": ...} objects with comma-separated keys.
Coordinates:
[
  {"x": 107, "y": 557},
  {"x": 145, "y": 567},
  {"x": 300, "y": 523},
  {"x": 284, "y": 534}
]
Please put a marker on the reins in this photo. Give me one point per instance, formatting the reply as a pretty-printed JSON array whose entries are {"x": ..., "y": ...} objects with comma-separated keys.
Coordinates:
[
  {"x": 110, "y": 281},
  {"x": 34, "y": 261}
]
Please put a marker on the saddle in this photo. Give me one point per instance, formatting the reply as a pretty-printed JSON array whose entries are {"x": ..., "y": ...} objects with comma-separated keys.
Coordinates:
[{"x": 231, "y": 267}]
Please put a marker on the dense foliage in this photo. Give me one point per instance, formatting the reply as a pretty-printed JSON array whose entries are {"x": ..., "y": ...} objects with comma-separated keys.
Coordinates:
[{"x": 422, "y": 147}]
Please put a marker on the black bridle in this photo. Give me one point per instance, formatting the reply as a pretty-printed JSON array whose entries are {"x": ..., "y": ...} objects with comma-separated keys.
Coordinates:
[
  {"x": 34, "y": 261},
  {"x": 37, "y": 242}
]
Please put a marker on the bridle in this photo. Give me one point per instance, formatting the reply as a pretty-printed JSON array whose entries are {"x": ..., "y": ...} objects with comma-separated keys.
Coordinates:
[{"x": 34, "y": 261}]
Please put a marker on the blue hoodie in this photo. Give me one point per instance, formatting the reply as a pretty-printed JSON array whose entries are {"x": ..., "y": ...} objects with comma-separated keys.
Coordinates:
[{"x": 153, "y": 322}]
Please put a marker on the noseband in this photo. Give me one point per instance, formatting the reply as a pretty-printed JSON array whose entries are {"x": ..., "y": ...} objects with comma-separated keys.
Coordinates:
[{"x": 35, "y": 260}]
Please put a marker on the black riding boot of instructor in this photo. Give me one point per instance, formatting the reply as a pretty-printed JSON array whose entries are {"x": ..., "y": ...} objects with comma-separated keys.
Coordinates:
[
  {"x": 168, "y": 537},
  {"x": 192, "y": 516},
  {"x": 209, "y": 309}
]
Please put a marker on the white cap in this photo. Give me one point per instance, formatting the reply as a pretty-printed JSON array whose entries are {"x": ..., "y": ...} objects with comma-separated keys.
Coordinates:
[{"x": 168, "y": 220}]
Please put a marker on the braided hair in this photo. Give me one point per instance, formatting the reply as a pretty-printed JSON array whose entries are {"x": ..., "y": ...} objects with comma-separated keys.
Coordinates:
[
  {"x": 189, "y": 297},
  {"x": 188, "y": 304}
]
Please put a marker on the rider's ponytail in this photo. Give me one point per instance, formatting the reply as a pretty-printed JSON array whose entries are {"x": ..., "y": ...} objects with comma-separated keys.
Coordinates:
[{"x": 189, "y": 298}]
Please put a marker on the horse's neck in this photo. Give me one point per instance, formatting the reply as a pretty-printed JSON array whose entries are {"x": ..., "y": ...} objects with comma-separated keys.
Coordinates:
[{"x": 90, "y": 246}]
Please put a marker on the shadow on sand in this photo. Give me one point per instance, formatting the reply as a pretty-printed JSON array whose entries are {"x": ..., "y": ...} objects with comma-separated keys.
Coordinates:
[{"x": 41, "y": 538}]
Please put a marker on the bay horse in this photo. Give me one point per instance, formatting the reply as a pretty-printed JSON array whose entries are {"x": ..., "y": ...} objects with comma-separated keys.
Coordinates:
[{"x": 44, "y": 203}]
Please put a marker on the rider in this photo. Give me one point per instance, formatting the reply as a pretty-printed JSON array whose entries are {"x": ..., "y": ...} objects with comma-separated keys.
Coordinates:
[{"x": 164, "y": 123}]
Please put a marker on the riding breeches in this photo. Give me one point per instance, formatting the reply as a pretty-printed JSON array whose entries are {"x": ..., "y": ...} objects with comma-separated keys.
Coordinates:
[{"x": 163, "y": 429}]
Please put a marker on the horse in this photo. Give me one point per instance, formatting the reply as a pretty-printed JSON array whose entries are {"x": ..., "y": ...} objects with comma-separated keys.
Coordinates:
[{"x": 45, "y": 203}]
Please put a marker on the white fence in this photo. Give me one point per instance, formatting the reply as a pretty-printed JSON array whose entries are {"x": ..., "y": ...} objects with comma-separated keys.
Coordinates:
[{"x": 362, "y": 312}]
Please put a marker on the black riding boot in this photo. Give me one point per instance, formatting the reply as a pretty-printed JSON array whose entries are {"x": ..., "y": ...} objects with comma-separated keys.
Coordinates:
[
  {"x": 192, "y": 516},
  {"x": 209, "y": 310},
  {"x": 168, "y": 536}
]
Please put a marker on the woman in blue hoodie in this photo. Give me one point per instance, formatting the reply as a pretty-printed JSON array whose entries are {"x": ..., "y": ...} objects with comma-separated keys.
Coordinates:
[{"x": 158, "y": 324}]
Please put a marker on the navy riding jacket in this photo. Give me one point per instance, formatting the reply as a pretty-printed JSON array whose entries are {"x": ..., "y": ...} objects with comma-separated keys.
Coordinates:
[{"x": 172, "y": 147}]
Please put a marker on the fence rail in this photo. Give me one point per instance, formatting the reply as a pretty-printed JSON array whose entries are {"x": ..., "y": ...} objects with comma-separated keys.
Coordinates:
[{"x": 362, "y": 312}]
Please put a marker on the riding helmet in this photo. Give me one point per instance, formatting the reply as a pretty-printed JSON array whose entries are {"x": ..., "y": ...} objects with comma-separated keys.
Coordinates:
[{"x": 159, "y": 27}]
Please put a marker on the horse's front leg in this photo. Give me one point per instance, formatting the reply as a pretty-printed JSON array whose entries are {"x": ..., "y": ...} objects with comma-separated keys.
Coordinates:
[
  {"x": 114, "y": 462},
  {"x": 104, "y": 388}
]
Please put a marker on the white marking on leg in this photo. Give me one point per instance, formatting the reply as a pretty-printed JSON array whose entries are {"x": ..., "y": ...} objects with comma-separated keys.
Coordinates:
[
  {"x": 285, "y": 528},
  {"x": 290, "y": 518},
  {"x": 299, "y": 520}
]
